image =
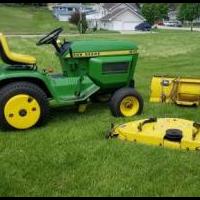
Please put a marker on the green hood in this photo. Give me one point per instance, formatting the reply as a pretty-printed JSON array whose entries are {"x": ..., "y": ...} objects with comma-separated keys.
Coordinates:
[{"x": 101, "y": 45}]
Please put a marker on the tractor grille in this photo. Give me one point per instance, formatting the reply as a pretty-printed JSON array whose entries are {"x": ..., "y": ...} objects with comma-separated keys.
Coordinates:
[{"x": 110, "y": 68}]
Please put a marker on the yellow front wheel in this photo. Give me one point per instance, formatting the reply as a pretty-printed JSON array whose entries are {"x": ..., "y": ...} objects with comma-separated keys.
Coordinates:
[
  {"x": 22, "y": 111},
  {"x": 126, "y": 102},
  {"x": 22, "y": 105}
]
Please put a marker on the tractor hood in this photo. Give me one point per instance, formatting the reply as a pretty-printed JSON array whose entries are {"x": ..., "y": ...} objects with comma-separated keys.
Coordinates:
[{"x": 101, "y": 45}]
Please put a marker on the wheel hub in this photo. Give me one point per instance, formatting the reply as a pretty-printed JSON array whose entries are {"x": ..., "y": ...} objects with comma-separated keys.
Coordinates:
[
  {"x": 129, "y": 106},
  {"x": 22, "y": 112}
]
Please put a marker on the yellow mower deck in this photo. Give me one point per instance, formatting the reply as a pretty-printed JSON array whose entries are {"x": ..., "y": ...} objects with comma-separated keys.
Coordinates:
[
  {"x": 182, "y": 91},
  {"x": 166, "y": 132}
]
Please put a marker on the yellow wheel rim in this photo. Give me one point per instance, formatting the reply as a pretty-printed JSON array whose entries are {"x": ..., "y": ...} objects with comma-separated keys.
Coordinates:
[
  {"x": 129, "y": 106},
  {"x": 22, "y": 111}
]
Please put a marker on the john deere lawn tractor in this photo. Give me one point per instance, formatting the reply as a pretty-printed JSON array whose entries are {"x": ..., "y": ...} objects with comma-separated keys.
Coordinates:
[{"x": 89, "y": 69}]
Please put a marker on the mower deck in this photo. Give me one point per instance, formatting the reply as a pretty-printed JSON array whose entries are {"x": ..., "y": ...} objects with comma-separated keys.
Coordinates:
[{"x": 166, "y": 132}]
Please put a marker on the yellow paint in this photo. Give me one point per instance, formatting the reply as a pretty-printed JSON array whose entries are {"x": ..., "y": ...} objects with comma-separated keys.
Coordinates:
[
  {"x": 173, "y": 145},
  {"x": 82, "y": 108},
  {"x": 58, "y": 42},
  {"x": 14, "y": 56},
  {"x": 129, "y": 106},
  {"x": 102, "y": 53},
  {"x": 183, "y": 91},
  {"x": 153, "y": 133},
  {"x": 22, "y": 111}
]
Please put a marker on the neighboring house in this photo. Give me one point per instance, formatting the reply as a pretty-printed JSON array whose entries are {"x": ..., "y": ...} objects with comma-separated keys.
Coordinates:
[
  {"x": 63, "y": 11},
  {"x": 121, "y": 16},
  {"x": 115, "y": 16},
  {"x": 110, "y": 16},
  {"x": 172, "y": 15},
  {"x": 93, "y": 17}
]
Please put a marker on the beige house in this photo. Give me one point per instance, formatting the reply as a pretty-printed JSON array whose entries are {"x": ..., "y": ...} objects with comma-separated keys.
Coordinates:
[{"x": 115, "y": 16}]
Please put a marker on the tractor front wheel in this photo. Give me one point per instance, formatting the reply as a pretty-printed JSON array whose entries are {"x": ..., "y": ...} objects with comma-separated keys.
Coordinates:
[
  {"x": 22, "y": 105},
  {"x": 126, "y": 102}
]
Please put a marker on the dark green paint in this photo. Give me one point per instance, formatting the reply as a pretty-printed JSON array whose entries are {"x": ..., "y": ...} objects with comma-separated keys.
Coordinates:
[{"x": 101, "y": 45}]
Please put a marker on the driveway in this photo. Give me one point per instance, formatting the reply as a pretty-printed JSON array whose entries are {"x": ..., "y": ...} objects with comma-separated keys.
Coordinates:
[
  {"x": 178, "y": 28},
  {"x": 136, "y": 32}
]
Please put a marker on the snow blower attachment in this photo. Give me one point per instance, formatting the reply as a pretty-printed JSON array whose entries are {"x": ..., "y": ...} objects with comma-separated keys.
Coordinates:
[
  {"x": 165, "y": 132},
  {"x": 182, "y": 91}
]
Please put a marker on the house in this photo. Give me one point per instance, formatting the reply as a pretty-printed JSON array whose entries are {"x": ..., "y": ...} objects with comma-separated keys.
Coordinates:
[
  {"x": 120, "y": 16},
  {"x": 172, "y": 15},
  {"x": 93, "y": 17},
  {"x": 110, "y": 16},
  {"x": 63, "y": 11}
]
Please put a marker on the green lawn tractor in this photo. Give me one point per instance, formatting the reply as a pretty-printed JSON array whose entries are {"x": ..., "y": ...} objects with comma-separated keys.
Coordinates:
[{"x": 90, "y": 69}]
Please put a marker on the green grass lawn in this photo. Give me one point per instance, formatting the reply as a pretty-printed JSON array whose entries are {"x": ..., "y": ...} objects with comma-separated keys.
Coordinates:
[
  {"x": 30, "y": 20},
  {"x": 69, "y": 156},
  {"x": 34, "y": 20}
]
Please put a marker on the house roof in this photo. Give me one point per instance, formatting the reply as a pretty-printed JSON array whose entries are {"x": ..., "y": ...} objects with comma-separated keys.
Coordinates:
[
  {"x": 111, "y": 15},
  {"x": 75, "y": 5},
  {"x": 133, "y": 6},
  {"x": 116, "y": 9},
  {"x": 108, "y": 6},
  {"x": 111, "y": 6}
]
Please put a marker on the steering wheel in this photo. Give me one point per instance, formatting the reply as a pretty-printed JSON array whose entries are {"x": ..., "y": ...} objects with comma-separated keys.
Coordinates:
[{"x": 51, "y": 37}]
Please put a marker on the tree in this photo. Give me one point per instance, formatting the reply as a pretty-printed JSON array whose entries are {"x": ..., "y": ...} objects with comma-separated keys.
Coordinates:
[
  {"x": 189, "y": 12},
  {"x": 79, "y": 19},
  {"x": 75, "y": 18},
  {"x": 154, "y": 11}
]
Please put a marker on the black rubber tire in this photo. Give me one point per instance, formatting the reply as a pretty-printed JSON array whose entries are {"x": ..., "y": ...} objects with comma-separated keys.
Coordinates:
[
  {"x": 119, "y": 95},
  {"x": 24, "y": 87}
]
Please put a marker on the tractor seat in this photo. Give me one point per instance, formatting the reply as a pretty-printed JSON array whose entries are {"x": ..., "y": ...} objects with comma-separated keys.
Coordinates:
[{"x": 11, "y": 57}]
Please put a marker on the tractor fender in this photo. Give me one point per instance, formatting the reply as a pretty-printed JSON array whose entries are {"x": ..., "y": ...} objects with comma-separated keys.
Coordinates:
[{"x": 37, "y": 78}]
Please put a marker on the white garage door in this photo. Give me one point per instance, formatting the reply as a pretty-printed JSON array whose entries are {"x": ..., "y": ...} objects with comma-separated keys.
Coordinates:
[
  {"x": 129, "y": 26},
  {"x": 117, "y": 25},
  {"x": 63, "y": 18}
]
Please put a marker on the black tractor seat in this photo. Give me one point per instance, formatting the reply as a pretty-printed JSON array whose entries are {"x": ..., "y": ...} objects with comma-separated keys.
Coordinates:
[{"x": 13, "y": 58}]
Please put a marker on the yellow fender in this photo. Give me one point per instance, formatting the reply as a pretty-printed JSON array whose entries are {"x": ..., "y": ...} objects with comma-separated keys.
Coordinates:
[
  {"x": 164, "y": 132},
  {"x": 179, "y": 90}
]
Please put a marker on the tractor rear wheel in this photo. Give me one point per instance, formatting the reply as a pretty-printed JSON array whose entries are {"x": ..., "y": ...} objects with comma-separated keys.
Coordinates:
[
  {"x": 126, "y": 102},
  {"x": 22, "y": 105}
]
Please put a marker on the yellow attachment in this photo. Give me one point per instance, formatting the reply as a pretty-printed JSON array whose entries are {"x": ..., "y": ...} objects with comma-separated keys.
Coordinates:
[
  {"x": 22, "y": 111},
  {"x": 82, "y": 108},
  {"x": 129, "y": 106},
  {"x": 26, "y": 59},
  {"x": 183, "y": 91},
  {"x": 154, "y": 133},
  {"x": 58, "y": 42}
]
